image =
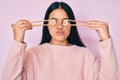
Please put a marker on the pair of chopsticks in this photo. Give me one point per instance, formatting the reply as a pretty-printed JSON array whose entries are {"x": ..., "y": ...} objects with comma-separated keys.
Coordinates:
[
  {"x": 40, "y": 23},
  {"x": 78, "y": 23}
]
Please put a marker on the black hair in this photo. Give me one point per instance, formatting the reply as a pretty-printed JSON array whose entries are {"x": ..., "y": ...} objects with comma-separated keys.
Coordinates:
[{"x": 74, "y": 37}]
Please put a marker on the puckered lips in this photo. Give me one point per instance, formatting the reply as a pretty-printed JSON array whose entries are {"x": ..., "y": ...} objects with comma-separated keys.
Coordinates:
[{"x": 60, "y": 32}]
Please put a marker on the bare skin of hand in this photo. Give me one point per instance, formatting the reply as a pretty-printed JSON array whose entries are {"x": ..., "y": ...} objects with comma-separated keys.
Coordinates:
[
  {"x": 101, "y": 28},
  {"x": 19, "y": 29}
]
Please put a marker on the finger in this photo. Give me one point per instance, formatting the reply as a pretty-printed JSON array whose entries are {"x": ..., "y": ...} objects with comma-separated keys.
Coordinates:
[
  {"x": 23, "y": 27},
  {"x": 94, "y": 27},
  {"x": 96, "y": 22},
  {"x": 26, "y": 28},
  {"x": 21, "y": 22}
]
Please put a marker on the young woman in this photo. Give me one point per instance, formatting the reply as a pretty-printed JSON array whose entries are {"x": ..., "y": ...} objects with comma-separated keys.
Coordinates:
[{"x": 61, "y": 54}]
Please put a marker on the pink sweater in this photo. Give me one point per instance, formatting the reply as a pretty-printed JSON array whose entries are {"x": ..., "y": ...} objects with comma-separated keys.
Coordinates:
[{"x": 53, "y": 62}]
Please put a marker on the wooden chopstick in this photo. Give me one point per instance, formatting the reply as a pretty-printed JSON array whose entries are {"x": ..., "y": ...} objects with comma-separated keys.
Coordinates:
[
  {"x": 37, "y": 23},
  {"x": 78, "y": 23}
]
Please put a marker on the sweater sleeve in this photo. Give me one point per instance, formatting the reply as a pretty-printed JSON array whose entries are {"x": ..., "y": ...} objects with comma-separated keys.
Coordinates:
[
  {"x": 13, "y": 68},
  {"x": 108, "y": 67}
]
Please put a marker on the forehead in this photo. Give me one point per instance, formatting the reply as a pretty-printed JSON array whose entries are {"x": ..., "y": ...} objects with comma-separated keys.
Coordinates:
[{"x": 58, "y": 13}]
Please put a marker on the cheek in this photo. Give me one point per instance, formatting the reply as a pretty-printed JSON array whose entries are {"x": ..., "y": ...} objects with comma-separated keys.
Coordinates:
[
  {"x": 67, "y": 31},
  {"x": 51, "y": 30}
]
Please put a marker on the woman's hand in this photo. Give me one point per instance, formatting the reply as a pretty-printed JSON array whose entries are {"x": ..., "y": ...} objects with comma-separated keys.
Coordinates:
[
  {"x": 100, "y": 27},
  {"x": 19, "y": 29}
]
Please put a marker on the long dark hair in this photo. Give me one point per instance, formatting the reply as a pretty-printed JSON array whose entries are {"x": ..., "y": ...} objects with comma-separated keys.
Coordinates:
[{"x": 74, "y": 37}]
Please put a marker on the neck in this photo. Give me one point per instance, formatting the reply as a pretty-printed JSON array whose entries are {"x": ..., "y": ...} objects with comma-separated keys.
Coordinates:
[{"x": 61, "y": 43}]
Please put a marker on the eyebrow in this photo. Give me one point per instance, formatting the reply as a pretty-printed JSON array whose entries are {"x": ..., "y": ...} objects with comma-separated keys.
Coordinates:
[
  {"x": 57, "y": 18},
  {"x": 53, "y": 18},
  {"x": 65, "y": 18}
]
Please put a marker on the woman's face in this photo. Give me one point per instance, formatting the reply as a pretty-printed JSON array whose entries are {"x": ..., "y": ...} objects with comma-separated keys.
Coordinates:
[{"x": 58, "y": 25}]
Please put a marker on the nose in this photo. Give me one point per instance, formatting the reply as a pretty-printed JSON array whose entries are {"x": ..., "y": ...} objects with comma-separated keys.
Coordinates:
[{"x": 59, "y": 25}]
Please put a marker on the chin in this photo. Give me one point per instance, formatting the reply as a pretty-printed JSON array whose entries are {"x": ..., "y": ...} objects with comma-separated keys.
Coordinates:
[{"x": 60, "y": 39}]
